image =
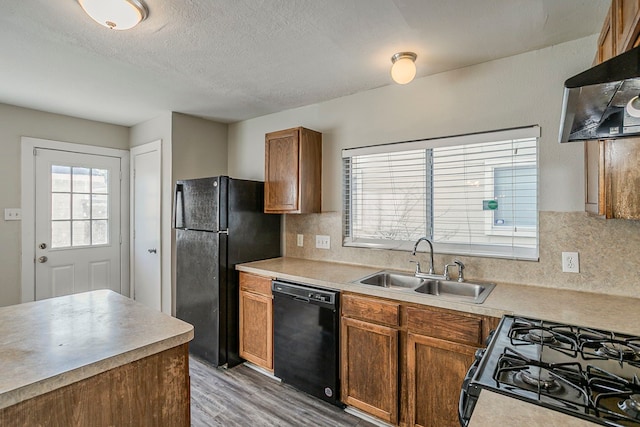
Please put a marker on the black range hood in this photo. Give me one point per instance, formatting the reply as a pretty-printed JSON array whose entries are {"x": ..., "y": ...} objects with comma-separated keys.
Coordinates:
[{"x": 594, "y": 100}]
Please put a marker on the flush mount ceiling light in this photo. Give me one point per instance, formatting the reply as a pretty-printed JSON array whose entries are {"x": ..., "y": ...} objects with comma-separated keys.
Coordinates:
[
  {"x": 115, "y": 14},
  {"x": 403, "y": 69}
]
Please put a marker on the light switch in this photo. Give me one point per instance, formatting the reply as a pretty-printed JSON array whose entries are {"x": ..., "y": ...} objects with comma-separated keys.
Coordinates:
[{"x": 12, "y": 214}]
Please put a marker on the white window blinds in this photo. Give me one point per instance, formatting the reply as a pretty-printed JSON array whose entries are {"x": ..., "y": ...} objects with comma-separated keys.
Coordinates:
[{"x": 471, "y": 194}]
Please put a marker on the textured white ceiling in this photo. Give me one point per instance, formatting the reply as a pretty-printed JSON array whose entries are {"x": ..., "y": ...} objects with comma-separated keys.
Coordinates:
[{"x": 230, "y": 60}]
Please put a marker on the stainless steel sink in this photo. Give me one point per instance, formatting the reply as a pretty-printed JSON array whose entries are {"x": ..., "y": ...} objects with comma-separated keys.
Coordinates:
[
  {"x": 473, "y": 291},
  {"x": 433, "y": 287},
  {"x": 390, "y": 279}
]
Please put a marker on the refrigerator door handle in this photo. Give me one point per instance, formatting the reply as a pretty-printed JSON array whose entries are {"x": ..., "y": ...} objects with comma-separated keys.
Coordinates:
[{"x": 178, "y": 214}]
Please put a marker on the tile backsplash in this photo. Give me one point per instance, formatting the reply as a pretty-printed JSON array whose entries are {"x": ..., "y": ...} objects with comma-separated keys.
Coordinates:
[{"x": 609, "y": 253}]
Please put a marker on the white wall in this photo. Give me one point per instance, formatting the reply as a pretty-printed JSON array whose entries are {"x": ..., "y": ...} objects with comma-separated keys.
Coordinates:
[
  {"x": 15, "y": 123},
  {"x": 516, "y": 91},
  {"x": 159, "y": 128},
  {"x": 191, "y": 148}
]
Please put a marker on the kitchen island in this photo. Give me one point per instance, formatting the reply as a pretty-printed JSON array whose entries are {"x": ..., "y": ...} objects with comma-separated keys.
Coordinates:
[{"x": 95, "y": 358}]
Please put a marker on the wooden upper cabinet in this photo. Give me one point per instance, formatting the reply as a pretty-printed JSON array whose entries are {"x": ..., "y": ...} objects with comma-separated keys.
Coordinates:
[
  {"x": 594, "y": 178},
  {"x": 627, "y": 17},
  {"x": 293, "y": 171},
  {"x": 607, "y": 39},
  {"x": 612, "y": 178},
  {"x": 622, "y": 178},
  {"x": 612, "y": 175}
]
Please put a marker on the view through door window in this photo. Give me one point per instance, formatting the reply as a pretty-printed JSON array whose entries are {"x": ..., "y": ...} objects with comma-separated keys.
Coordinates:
[{"x": 79, "y": 206}]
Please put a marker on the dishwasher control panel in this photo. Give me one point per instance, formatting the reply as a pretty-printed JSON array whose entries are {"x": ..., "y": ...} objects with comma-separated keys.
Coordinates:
[{"x": 305, "y": 292}]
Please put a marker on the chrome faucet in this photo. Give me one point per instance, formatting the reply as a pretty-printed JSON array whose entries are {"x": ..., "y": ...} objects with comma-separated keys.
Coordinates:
[
  {"x": 415, "y": 247},
  {"x": 460, "y": 265},
  {"x": 460, "y": 269}
]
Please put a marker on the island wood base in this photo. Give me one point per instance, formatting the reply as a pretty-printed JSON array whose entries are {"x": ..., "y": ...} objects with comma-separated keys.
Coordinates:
[{"x": 153, "y": 391}]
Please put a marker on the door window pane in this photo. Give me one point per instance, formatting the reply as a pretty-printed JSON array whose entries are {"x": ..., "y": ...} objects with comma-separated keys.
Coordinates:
[
  {"x": 79, "y": 206},
  {"x": 60, "y": 234},
  {"x": 60, "y": 206},
  {"x": 81, "y": 180},
  {"x": 99, "y": 207},
  {"x": 100, "y": 232},
  {"x": 99, "y": 180},
  {"x": 60, "y": 178},
  {"x": 81, "y": 233}
]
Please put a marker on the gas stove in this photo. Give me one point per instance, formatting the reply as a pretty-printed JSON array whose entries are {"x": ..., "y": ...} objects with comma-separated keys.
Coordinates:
[{"x": 589, "y": 373}]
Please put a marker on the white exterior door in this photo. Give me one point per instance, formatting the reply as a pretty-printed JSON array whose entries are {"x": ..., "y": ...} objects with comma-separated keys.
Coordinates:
[
  {"x": 146, "y": 215},
  {"x": 77, "y": 223}
]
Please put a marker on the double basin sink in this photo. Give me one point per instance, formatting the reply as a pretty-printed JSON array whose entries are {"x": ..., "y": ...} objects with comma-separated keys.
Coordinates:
[{"x": 437, "y": 287}]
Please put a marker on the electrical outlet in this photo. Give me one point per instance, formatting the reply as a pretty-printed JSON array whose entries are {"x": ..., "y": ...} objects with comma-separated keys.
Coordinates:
[
  {"x": 300, "y": 239},
  {"x": 323, "y": 242},
  {"x": 12, "y": 214},
  {"x": 570, "y": 262}
]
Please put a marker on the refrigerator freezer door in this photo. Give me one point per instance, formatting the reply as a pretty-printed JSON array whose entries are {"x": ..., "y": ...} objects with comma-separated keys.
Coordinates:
[
  {"x": 197, "y": 204},
  {"x": 198, "y": 291}
]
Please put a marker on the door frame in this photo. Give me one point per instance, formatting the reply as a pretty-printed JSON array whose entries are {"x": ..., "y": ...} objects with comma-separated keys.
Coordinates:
[
  {"x": 140, "y": 149},
  {"x": 27, "y": 194}
]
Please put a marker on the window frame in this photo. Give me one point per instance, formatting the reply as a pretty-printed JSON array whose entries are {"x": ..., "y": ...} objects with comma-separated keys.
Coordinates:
[{"x": 514, "y": 250}]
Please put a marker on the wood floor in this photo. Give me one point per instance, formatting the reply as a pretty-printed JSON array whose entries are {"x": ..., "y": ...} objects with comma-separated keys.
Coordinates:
[{"x": 241, "y": 396}]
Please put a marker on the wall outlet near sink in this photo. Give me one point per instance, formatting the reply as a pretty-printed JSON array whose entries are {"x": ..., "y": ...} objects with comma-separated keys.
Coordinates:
[
  {"x": 570, "y": 262},
  {"x": 323, "y": 242},
  {"x": 300, "y": 239}
]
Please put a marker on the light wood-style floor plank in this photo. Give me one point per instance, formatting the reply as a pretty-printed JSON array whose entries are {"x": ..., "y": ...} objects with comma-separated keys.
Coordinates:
[{"x": 241, "y": 396}]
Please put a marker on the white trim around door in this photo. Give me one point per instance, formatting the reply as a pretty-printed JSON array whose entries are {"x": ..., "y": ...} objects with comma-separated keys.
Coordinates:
[{"x": 28, "y": 145}]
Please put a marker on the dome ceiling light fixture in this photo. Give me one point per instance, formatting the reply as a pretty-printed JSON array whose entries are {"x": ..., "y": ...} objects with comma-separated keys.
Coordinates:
[
  {"x": 116, "y": 14},
  {"x": 403, "y": 69}
]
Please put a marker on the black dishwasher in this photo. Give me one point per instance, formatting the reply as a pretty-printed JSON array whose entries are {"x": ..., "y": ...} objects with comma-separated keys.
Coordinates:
[{"x": 305, "y": 338}]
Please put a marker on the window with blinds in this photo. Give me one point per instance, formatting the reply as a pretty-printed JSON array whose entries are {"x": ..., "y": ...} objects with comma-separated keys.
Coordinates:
[{"x": 472, "y": 194}]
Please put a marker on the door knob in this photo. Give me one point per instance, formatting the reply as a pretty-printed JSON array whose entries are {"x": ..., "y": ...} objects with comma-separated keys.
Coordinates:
[
  {"x": 42, "y": 246},
  {"x": 152, "y": 251},
  {"x": 42, "y": 259}
]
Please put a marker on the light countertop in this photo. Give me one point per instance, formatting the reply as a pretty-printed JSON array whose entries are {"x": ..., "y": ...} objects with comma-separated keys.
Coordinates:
[
  {"x": 613, "y": 313},
  {"x": 494, "y": 409},
  {"x": 48, "y": 344}
]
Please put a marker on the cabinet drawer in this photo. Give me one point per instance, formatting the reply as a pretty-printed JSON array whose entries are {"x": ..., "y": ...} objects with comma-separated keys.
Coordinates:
[
  {"x": 256, "y": 284},
  {"x": 382, "y": 312},
  {"x": 445, "y": 324}
]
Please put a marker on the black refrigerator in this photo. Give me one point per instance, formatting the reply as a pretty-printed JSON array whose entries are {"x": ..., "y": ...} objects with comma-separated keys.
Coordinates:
[{"x": 219, "y": 222}]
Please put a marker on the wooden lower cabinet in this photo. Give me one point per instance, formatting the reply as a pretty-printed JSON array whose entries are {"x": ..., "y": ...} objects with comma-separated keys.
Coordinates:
[
  {"x": 370, "y": 368},
  {"x": 435, "y": 371},
  {"x": 256, "y": 320},
  {"x": 404, "y": 363}
]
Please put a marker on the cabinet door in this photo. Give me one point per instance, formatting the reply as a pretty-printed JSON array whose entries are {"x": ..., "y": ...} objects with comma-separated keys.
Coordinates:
[
  {"x": 594, "y": 177},
  {"x": 281, "y": 171},
  {"x": 435, "y": 371},
  {"x": 607, "y": 40},
  {"x": 626, "y": 23},
  {"x": 256, "y": 329},
  {"x": 622, "y": 178},
  {"x": 370, "y": 368}
]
